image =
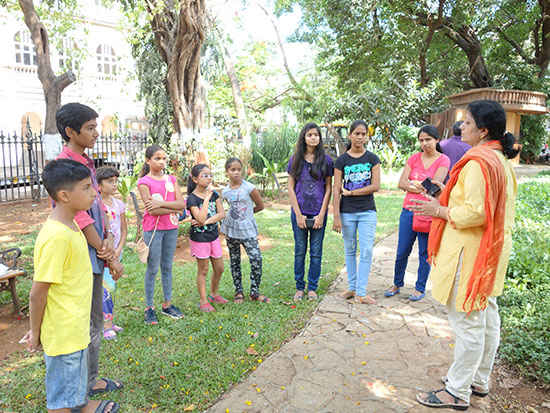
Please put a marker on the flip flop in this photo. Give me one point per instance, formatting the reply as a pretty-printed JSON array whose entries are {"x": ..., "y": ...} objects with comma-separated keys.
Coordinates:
[
  {"x": 367, "y": 299},
  {"x": 260, "y": 298},
  {"x": 346, "y": 295},
  {"x": 414, "y": 297},
  {"x": 239, "y": 298},
  {"x": 312, "y": 296},
  {"x": 107, "y": 404},
  {"x": 110, "y": 386},
  {"x": 109, "y": 334},
  {"x": 298, "y": 296},
  {"x": 206, "y": 308},
  {"x": 218, "y": 299},
  {"x": 391, "y": 292},
  {"x": 431, "y": 400}
]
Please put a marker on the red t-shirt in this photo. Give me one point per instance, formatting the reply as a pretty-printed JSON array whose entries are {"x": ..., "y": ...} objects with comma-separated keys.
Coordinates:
[{"x": 419, "y": 173}]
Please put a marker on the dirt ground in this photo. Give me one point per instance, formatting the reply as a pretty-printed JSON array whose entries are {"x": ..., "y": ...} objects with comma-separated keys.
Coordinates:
[{"x": 510, "y": 393}]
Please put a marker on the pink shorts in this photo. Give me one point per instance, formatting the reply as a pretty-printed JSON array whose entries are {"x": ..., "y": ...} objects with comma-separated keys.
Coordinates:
[{"x": 204, "y": 250}]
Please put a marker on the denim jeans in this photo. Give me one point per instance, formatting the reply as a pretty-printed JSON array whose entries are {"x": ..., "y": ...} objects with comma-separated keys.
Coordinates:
[
  {"x": 404, "y": 247},
  {"x": 364, "y": 225},
  {"x": 316, "y": 237},
  {"x": 67, "y": 380},
  {"x": 161, "y": 252}
]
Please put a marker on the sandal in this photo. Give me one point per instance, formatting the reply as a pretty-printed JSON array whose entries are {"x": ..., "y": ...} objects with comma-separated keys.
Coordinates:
[
  {"x": 218, "y": 299},
  {"x": 239, "y": 298},
  {"x": 367, "y": 299},
  {"x": 109, "y": 334},
  {"x": 390, "y": 292},
  {"x": 346, "y": 295},
  {"x": 110, "y": 386},
  {"x": 298, "y": 296},
  {"x": 107, "y": 404},
  {"x": 312, "y": 295},
  {"x": 476, "y": 390},
  {"x": 260, "y": 298},
  {"x": 430, "y": 399},
  {"x": 206, "y": 308}
]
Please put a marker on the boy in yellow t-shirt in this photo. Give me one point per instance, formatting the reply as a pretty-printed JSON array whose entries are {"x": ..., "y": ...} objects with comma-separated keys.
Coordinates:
[{"x": 61, "y": 292}]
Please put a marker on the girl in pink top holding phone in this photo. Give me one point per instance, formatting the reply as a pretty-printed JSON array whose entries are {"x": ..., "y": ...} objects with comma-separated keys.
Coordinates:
[{"x": 429, "y": 163}]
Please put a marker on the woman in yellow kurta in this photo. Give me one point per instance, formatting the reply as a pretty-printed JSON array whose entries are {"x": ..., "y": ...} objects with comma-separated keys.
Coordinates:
[{"x": 469, "y": 248}]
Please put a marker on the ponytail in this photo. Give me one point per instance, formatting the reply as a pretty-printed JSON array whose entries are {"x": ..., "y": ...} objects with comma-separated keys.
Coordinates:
[
  {"x": 508, "y": 142},
  {"x": 438, "y": 147},
  {"x": 191, "y": 185},
  {"x": 144, "y": 170},
  {"x": 149, "y": 152}
]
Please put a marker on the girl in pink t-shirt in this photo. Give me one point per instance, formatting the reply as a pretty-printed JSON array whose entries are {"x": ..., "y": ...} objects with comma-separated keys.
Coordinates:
[
  {"x": 432, "y": 163},
  {"x": 162, "y": 198}
]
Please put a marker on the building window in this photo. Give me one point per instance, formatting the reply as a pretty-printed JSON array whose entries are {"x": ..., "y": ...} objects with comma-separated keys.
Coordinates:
[
  {"x": 25, "y": 53},
  {"x": 106, "y": 60},
  {"x": 67, "y": 58}
]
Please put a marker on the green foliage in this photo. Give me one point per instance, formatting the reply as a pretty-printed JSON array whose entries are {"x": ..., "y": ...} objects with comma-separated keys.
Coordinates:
[
  {"x": 127, "y": 184},
  {"x": 274, "y": 144},
  {"x": 151, "y": 73},
  {"x": 525, "y": 305},
  {"x": 533, "y": 134}
]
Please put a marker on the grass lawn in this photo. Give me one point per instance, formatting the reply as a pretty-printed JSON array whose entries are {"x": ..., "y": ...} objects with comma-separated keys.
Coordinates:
[{"x": 191, "y": 362}]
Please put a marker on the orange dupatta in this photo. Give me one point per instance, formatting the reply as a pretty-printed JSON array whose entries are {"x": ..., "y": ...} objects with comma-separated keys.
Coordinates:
[{"x": 481, "y": 281}]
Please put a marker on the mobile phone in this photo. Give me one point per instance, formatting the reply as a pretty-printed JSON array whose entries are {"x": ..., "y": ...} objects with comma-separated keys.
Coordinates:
[
  {"x": 310, "y": 222},
  {"x": 431, "y": 188}
]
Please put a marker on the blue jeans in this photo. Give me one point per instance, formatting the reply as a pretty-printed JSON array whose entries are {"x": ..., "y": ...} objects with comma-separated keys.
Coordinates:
[
  {"x": 364, "y": 225},
  {"x": 161, "y": 252},
  {"x": 316, "y": 237},
  {"x": 404, "y": 247},
  {"x": 67, "y": 380}
]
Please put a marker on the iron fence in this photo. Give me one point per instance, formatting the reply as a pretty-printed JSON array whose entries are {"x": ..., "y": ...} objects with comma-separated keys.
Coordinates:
[{"x": 22, "y": 160}]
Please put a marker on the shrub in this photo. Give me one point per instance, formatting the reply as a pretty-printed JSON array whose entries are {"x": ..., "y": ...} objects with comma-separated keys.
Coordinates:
[
  {"x": 525, "y": 305},
  {"x": 532, "y": 136},
  {"x": 276, "y": 145}
]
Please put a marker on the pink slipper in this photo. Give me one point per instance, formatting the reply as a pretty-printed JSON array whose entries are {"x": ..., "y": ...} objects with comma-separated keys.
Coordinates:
[
  {"x": 109, "y": 334},
  {"x": 118, "y": 329},
  {"x": 218, "y": 299},
  {"x": 206, "y": 308}
]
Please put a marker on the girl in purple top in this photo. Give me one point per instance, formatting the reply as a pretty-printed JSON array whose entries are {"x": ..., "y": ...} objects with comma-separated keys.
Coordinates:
[
  {"x": 309, "y": 188},
  {"x": 163, "y": 201}
]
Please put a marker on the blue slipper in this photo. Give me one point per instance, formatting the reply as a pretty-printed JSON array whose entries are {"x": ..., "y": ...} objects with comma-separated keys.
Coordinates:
[
  {"x": 413, "y": 297},
  {"x": 390, "y": 293}
]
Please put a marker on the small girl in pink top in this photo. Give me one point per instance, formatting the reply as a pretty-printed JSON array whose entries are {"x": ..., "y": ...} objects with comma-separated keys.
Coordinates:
[
  {"x": 163, "y": 201},
  {"x": 432, "y": 163}
]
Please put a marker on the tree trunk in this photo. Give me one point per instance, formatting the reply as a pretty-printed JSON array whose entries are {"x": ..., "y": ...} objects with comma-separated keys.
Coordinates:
[
  {"x": 543, "y": 51},
  {"x": 238, "y": 102},
  {"x": 179, "y": 37},
  {"x": 52, "y": 85},
  {"x": 466, "y": 38}
]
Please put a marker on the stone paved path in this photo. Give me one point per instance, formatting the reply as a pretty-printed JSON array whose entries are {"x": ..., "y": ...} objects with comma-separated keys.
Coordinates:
[{"x": 357, "y": 358}]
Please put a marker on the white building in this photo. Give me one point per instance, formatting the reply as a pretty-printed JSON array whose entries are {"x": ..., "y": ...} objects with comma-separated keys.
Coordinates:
[{"x": 102, "y": 64}]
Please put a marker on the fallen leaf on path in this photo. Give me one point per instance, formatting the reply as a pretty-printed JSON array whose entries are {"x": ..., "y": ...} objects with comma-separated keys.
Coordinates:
[{"x": 189, "y": 408}]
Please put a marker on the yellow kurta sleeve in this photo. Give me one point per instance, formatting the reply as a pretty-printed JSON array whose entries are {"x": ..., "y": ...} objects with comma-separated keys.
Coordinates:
[{"x": 471, "y": 213}]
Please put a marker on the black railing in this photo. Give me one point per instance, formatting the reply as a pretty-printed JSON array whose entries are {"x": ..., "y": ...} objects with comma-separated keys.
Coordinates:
[{"x": 22, "y": 160}]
